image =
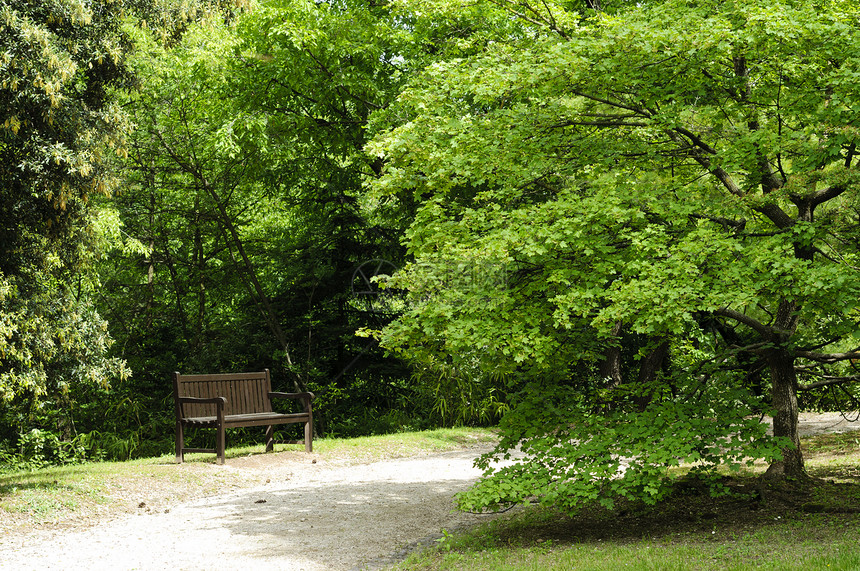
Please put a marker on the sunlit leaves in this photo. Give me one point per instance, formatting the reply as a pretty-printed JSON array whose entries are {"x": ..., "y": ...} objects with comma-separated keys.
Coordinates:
[
  {"x": 652, "y": 172},
  {"x": 574, "y": 455},
  {"x": 59, "y": 132}
]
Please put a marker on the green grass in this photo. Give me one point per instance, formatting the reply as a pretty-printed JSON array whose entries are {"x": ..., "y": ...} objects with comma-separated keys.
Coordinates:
[
  {"x": 535, "y": 540},
  {"x": 796, "y": 527}
]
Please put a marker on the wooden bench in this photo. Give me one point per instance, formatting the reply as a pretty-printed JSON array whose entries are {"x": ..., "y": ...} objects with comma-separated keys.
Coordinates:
[{"x": 233, "y": 400}]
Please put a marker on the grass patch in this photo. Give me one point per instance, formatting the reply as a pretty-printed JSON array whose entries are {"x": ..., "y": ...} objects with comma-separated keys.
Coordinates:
[
  {"x": 794, "y": 526},
  {"x": 813, "y": 526},
  {"x": 402, "y": 445}
]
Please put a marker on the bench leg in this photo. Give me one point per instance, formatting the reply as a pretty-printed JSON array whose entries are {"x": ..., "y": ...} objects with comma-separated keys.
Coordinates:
[
  {"x": 270, "y": 435},
  {"x": 180, "y": 443},
  {"x": 309, "y": 435},
  {"x": 221, "y": 444}
]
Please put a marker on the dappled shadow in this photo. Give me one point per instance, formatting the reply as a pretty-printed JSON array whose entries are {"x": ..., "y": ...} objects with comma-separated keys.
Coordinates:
[
  {"x": 347, "y": 516},
  {"x": 794, "y": 513},
  {"x": 11, "y": 485},
  {"x": 20, "y": 481},
  {"x": 336, "y": 525}
]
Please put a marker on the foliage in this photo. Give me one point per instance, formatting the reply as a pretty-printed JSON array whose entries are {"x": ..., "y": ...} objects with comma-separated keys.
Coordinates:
[
  {"x": 169, "y": 20},
  {"x": 574, "y": 454},
  {"x": 242, "y": 182},
  {"x": 59, "y": 133},
  {"x": 62, "y": 133},
  {"x": 682, "y": 175},
  {"x": 460, "y": 392}
]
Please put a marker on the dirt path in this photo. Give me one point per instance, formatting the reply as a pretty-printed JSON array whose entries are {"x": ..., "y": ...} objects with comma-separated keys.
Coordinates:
[{"x": 307, "y": 517}]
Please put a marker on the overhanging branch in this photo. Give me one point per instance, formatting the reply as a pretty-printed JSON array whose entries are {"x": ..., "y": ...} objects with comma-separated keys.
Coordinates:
[
  {"x": 826, "y": 194},
  {"x": 828, "y": 357},
  {"x": 752, "y": 323},
  {"x": 828, "y": 381}
]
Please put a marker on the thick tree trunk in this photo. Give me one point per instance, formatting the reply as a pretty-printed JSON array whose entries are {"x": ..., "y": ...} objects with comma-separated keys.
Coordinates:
[
  {"x": 649, "y": 366},
  {"x": 784, "y": 400},
  {"x": 609, "y": 368}
]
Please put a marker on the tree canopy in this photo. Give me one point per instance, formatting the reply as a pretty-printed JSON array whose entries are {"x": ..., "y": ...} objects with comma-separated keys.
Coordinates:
[
  {"x": 58, "y": 132},
  {"x": 627, "y": 229},
  {"x": 671, "y": 191}
]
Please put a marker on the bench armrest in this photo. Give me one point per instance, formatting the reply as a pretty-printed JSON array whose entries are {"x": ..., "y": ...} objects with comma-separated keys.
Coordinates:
[
  {"x": 304, "y": 397},
  {"x": 219, "y": 402}
]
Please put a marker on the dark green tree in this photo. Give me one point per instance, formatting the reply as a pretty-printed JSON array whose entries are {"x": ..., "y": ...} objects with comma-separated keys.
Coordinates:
[
  {"x": 59, "y": 130},
  {"x": 247, "y": 195}
]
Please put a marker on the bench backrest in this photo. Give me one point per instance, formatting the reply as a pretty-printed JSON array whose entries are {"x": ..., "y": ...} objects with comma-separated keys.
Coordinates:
[{"x": 245, "y": 392}]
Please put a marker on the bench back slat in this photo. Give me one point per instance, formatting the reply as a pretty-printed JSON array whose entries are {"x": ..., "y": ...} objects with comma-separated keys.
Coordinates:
[{"x": 245, "y": 392}]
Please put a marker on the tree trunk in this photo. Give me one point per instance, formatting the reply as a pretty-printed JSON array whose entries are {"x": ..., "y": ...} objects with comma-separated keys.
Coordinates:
[
  {"x": 784, "y": 400},
  {"x": 784, "y": 393},
  {"x": 609, "y": 368},
  {"x": 649, "y": 366},
  {"x": 263, "y": 301}
]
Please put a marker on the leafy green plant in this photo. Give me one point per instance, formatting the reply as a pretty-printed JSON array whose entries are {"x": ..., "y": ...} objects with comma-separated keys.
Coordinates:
[{"x": 574, "y": 454}]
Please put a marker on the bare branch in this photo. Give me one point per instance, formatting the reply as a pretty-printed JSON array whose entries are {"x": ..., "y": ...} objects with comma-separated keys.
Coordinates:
[
  {"x": 827, "y": 381},
  {"x": 828, "y": 357},
  {"x": 756, "y": 325},
  {"x": 826, "y": 194},
  {"x": 776, "y": 215}
]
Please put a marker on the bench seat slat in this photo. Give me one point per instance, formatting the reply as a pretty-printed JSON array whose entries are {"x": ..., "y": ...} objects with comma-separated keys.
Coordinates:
[{"x": 252, "y": 419}]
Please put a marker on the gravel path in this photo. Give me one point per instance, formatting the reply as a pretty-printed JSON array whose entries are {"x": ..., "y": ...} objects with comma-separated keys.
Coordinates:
[
  {"x": 815, "y": 423},
  {"x": 308, "y": 517}
]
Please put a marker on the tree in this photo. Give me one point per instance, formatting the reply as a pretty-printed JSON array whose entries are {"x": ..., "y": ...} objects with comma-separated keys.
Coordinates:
[
  {"x": 326, "y": 76},
  {"x": 313, "y": 73},
  {"x": 58, "y": 131},
  {"x": 672, "y": 194},
  {"x": 193, "y": 197},
  {"x": 244, "y": 175}
]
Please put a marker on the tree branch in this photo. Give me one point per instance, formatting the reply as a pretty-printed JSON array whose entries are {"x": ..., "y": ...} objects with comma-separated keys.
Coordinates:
[
  {"x": 699, "y": 150},
  {"x": 737, "y": 225},
  {"x": 827, "y": 381},
  {"x": 754, "y": 324},
  {"x": 828, "y": 357},
  {"x": 826, "y": 194},
  {"x": 607, "y": 123},
  {"x": 849, "y": 155},
  {"x": 637, "y": 111},
  {"x": 538, "y": 19},
  {"x": 776, "y": 215}
]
